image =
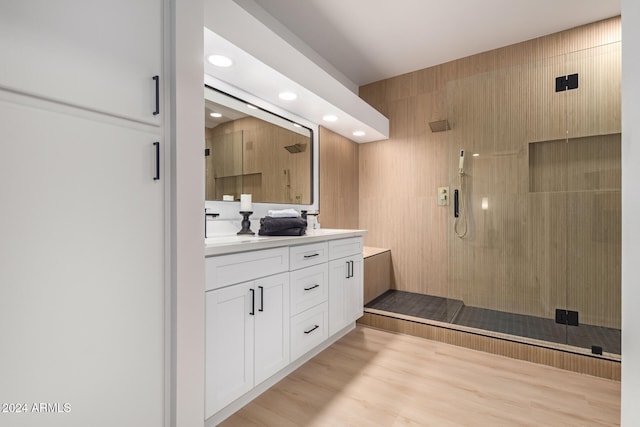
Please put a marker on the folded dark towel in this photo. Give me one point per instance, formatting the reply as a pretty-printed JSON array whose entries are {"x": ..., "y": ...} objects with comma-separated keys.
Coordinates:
[
  {"x": 288, "y": 232},
  {"x": 282, "y": 226}
]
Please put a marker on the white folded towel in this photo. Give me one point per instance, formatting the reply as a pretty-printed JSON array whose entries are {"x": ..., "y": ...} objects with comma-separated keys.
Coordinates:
[{"x": 284, "y": 213}]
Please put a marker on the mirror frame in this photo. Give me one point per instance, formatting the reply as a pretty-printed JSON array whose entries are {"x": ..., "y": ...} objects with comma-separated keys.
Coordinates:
[{"x": 230, "y": 209}]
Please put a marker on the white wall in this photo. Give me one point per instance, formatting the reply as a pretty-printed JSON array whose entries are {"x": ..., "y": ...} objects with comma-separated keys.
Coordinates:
[
  {"x": 188, "y": 215},
  {"x": 630, "y": 212}
]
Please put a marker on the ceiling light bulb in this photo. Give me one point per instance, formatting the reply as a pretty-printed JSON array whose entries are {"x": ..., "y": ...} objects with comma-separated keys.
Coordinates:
[
  {"x": 359, "y": 133},
  {"x": 329, "y": 118},
  {"x": 216, "y": 115},
  {"x": 287, "y": 96},
  {"x": 220, "y": 61}
]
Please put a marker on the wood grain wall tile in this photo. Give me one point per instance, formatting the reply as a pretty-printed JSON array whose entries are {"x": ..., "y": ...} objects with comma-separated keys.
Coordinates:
[{"x": 498, "y": 103}]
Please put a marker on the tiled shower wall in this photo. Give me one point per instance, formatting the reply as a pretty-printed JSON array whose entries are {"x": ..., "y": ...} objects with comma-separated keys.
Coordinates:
[{"x": 528, "y": 252}]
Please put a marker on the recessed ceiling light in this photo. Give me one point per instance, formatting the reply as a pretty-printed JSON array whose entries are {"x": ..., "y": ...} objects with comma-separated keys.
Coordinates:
[
  {"x": 220, "y": 61},
  {"x": 359, "y": 133},
  {"x": 251, "y": 106},
  {"x": 287, "y": 96},
  {"x": 329, "y": 118},
  {"x": 216, "y": 115}
]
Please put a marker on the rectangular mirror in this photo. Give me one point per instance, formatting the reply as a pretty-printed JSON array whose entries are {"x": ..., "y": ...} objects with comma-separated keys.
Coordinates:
[{"x": 253, "y": 151}]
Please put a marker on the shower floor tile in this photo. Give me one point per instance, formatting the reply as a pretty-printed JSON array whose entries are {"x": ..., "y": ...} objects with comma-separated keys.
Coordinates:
[
  {"x": 454, "y": 311},
  {"x": 417, "y": 305}
]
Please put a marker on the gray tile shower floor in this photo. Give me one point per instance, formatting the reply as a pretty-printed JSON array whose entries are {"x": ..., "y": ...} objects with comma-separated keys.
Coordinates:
[{"x": 454, "y": 311}]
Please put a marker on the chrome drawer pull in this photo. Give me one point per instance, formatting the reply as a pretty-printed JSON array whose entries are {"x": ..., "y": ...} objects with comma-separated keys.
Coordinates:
[
  {"x": 312, "y": 329},
  {"x": 313, "y": 287},
  {"x": 311, "y": 256}
]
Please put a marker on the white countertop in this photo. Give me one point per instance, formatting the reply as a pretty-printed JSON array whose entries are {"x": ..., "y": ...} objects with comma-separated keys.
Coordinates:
[{"x": 221, "y": 245}]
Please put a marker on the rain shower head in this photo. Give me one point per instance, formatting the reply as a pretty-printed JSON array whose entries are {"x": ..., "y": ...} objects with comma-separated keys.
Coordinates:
[
  {"x": 439, "y": 125},
  {"x": 296, "y": 148}
]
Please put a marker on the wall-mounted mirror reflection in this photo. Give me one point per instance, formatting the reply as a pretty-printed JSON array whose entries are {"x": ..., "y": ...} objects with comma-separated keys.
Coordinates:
[{"x": 252, "y": 151}]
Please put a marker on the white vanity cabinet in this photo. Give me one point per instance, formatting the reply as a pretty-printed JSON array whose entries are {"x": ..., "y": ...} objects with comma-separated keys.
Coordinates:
[
  {"x": 247, "y": 330},
  {"x": 272, "y": 308},
  {"x": 345, "y": 283},
  {"x": 309, "y": 294}
]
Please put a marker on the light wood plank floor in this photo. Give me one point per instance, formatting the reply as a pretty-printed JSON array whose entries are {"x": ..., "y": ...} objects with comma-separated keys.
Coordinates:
[{"x": 377, "y": 378}]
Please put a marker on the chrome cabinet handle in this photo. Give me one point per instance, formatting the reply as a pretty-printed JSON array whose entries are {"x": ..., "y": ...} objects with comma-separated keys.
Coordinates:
[
  {"x": 312, "y": 329},
  {"x": 313, "y": 287}
]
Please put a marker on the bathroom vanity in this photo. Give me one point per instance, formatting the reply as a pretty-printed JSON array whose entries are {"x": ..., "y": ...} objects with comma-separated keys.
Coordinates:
[{"x": 272, "y": 303}]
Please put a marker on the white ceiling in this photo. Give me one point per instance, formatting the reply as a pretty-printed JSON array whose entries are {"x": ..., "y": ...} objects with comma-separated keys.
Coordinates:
[{"x": 370, "y": 40}]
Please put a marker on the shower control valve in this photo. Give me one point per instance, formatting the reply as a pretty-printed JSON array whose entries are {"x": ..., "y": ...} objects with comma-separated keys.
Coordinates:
[{"x": 443, "y": 196}]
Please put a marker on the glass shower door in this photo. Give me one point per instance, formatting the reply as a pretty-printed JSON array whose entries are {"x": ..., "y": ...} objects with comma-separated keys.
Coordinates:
[
  {"x": 593, "y": 195},
  {"x": 535, "y": 247},
  {"x": 506, "y": 248}
]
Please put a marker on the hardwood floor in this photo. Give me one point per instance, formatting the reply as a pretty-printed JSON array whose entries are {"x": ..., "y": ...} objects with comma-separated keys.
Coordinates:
[{"x": 376, "y": 378}]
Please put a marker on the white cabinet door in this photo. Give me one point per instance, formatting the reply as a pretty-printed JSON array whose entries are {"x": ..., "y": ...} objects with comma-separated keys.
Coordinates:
[
  {"x": 96, "y": 54},
  {"x": 271, "y": 325},
  {"x": 82, "y": 291},
  {"x": 229, "y": 345},
  {"x": 345, "y": 292},
  {"x": 355, "y": 289},
  {"x": 338, "y": 291}
]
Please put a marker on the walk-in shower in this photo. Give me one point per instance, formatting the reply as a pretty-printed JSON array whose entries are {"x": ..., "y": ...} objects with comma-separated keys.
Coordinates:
[{"x": 534, "y": 240}]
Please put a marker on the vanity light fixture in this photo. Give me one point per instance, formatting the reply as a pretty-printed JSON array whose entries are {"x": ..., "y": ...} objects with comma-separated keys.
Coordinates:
[
  {"x": 216, "y": 115},
  {"x": 329, "y": 118},
  {"x": 359, "y": 133},
  {"x": 220, "y": 61},
  {"x": 287, "y": 96}
]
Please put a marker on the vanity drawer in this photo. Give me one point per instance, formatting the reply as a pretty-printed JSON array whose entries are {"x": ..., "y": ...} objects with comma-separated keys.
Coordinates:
[
  {"x": 308, "y": 329},
  {"x": 309, "y": 286},
  {"x": 306, "y": 255},
  {"x": 226, "y": 270},
  {"x": 345, "y": 247}
]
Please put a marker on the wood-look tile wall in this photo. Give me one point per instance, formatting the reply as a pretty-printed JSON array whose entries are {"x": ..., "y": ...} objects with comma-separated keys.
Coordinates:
[
  {"x": 338, "y": 181},
  {"x": 540, "y": 245}
]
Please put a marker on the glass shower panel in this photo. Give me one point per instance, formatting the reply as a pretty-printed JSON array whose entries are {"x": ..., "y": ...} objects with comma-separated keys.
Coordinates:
[
  {"x": 593, "y": 199},
  {"x": 505, "y": 252}
]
